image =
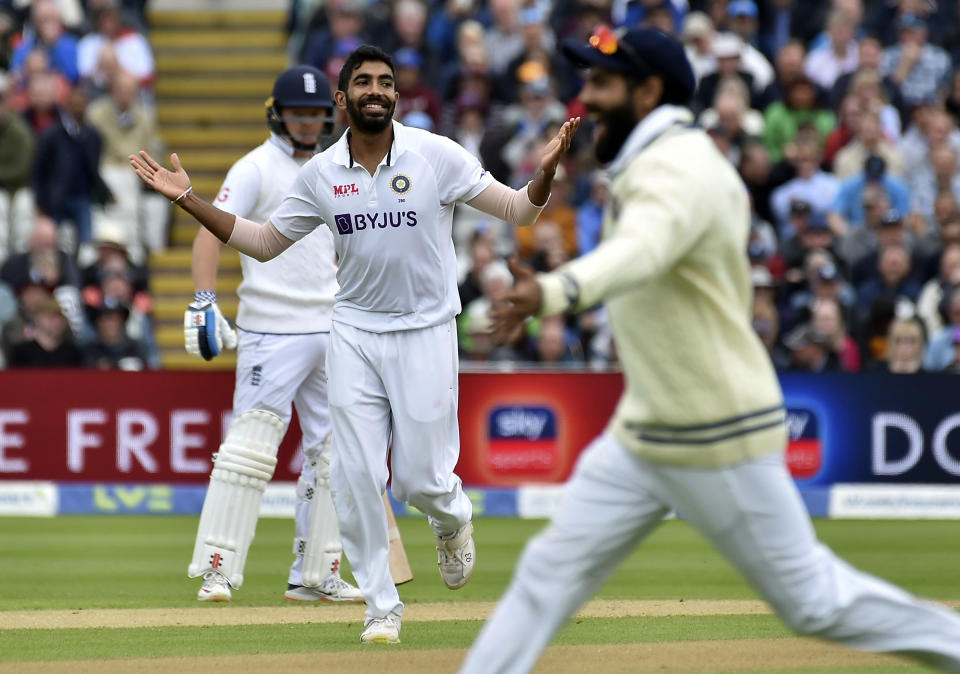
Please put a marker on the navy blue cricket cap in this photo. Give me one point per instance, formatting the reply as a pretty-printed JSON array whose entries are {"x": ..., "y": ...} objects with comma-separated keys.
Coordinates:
[
  {"x": 301, "y": 87},
  {"x": 639, "y": 52}
]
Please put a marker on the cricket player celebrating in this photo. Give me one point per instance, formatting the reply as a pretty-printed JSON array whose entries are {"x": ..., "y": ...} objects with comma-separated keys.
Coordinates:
[
  {"x": 284, "y": 331},
  {"x": 700, "y": 426},
  {"x": 387, "y": 193}
]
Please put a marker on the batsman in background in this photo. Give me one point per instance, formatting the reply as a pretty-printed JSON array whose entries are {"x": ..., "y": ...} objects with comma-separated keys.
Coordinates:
[
  {"x": 284, "y": 330},
  {"x": 700, "y": 427}
]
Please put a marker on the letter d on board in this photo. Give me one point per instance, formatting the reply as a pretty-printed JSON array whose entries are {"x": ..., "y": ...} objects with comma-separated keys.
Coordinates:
[{"x": 878, "y": 450}]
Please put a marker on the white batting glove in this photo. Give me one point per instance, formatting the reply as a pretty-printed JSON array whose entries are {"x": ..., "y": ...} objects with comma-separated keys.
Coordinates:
[{"x": 205, "y": 331}]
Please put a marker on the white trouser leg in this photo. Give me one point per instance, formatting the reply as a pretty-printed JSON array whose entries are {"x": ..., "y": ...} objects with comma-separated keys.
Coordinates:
[
  {"x": 753, "y": 514},
  {"x": 306, "y": 492},
  {"x": 360, "y": 415},
  {"x": 314, "y": 415},
  {"x": 604, "y": 514},
  {"x": 420, "y": 376}
]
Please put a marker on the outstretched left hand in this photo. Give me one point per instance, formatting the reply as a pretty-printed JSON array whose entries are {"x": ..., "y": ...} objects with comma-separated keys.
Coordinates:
[
  {"x": 515, "y": 305},
  {"x": 558, "y": 147}
]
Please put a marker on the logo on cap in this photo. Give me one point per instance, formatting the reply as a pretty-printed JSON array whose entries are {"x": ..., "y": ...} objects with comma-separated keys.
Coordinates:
[{"x": 309, "y": 83}]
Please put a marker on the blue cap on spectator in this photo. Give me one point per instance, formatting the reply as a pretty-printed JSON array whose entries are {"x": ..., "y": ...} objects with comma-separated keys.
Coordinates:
[
  {"x": 111, "y": 305},
  {"x": 345, "y": 45},
  {"x": 407, "y": 58},
  {"x": 530, "y": 15},
  {"x": 742, "y": 8},
  {"x": 539, "y": 87},
  {"x": 828, "y": 273},
  {"x": 638, "y": 51},
  {"x": 891, "y": 218},
  {"x": 418, "y": 120},
  {"x": 910, "y": 20},
  {"x": 817, "y": 223}
]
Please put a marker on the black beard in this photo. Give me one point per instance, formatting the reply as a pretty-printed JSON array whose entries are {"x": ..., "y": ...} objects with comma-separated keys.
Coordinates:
[
  {"x": 619, "y": 123},
  {"x": 361, "y": 122}
]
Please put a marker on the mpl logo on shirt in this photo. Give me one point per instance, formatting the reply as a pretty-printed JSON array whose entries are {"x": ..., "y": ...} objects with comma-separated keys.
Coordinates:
[
  {"x": 522, "y": 440},
  {"x": 345, "y": 190},
  {"x": 804, "y": 447}
]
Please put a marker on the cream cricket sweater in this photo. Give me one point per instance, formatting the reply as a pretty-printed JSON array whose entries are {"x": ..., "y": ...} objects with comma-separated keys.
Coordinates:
[{"x": 673, "y": 273}]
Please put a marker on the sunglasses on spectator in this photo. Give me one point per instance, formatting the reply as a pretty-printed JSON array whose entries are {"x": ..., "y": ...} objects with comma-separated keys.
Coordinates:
[{"x": 107, "y": 274}]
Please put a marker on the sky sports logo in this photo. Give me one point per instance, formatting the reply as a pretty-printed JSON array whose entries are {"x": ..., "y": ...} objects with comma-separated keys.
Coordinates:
[
  {"x": 348, "y": 223},
  {"x": 522, "y": 440},
  {"x": 804, "y": 446}
]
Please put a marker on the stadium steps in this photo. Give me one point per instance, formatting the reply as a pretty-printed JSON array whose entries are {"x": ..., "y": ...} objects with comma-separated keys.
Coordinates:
[
  {"x": 215, "y": 68},
  {"x": 179, "y": 258},
  {"x": 206, "y": 113},
  {"x": 217, "y": 37}
]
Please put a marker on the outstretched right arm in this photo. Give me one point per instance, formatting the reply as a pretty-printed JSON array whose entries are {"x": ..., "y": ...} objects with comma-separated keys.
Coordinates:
[{"x": 259, "y": 242}]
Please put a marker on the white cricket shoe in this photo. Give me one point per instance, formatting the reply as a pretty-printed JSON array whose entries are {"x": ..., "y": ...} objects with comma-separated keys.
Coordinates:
[
  {"x": 333, "y": 588},
  {"x": 384, "y": 630},
  {"x": 215, "y": 587},
  {"x": 456, "y": 555}
]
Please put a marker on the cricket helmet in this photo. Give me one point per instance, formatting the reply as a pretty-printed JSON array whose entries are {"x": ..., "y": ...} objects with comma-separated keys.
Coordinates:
[{"x": 301, "y": 87}]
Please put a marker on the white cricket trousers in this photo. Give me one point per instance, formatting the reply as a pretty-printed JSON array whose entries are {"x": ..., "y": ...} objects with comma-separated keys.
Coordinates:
[
  {"x": 273, "y": 373},
  {"x": 751, "y": 512},
  {"x": 404, "y": 383}
]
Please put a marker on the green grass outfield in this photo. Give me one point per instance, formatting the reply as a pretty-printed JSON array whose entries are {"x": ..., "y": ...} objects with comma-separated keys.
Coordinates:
[{"x": 82, "y": 564}]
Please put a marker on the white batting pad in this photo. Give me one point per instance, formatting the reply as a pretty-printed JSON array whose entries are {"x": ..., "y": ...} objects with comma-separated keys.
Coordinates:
[
  {"x": 241, "y": 469},
  {"x": 322, "y": 548}
]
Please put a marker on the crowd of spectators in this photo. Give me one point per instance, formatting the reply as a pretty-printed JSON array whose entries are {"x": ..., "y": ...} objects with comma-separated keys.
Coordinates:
[
  {"x": 841, "y": 116},
  {"x": 76, "y": 97}
]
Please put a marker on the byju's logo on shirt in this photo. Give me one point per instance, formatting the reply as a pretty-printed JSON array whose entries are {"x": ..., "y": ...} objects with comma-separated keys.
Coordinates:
[
  {"x": 345, "y": 190},
  {"x": 344, "y": 225},
  {"x": 347, "y": 223}
]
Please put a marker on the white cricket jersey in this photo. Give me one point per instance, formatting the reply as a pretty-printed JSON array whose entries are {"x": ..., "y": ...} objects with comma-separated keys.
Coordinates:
[
  {"x": 292, "y": 293},
  {"x": 392, "y": 230}
]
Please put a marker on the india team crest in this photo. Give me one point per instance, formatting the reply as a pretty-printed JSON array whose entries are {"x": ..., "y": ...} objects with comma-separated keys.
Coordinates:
[{"x": 400, "y": 184}]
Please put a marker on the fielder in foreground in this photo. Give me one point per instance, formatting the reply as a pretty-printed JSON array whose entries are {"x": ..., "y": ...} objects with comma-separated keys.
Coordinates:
[
  {"x": 387, "y": 192},
  {"x": 284, "y": 330},
  {"x": 700, "y": 427}
]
